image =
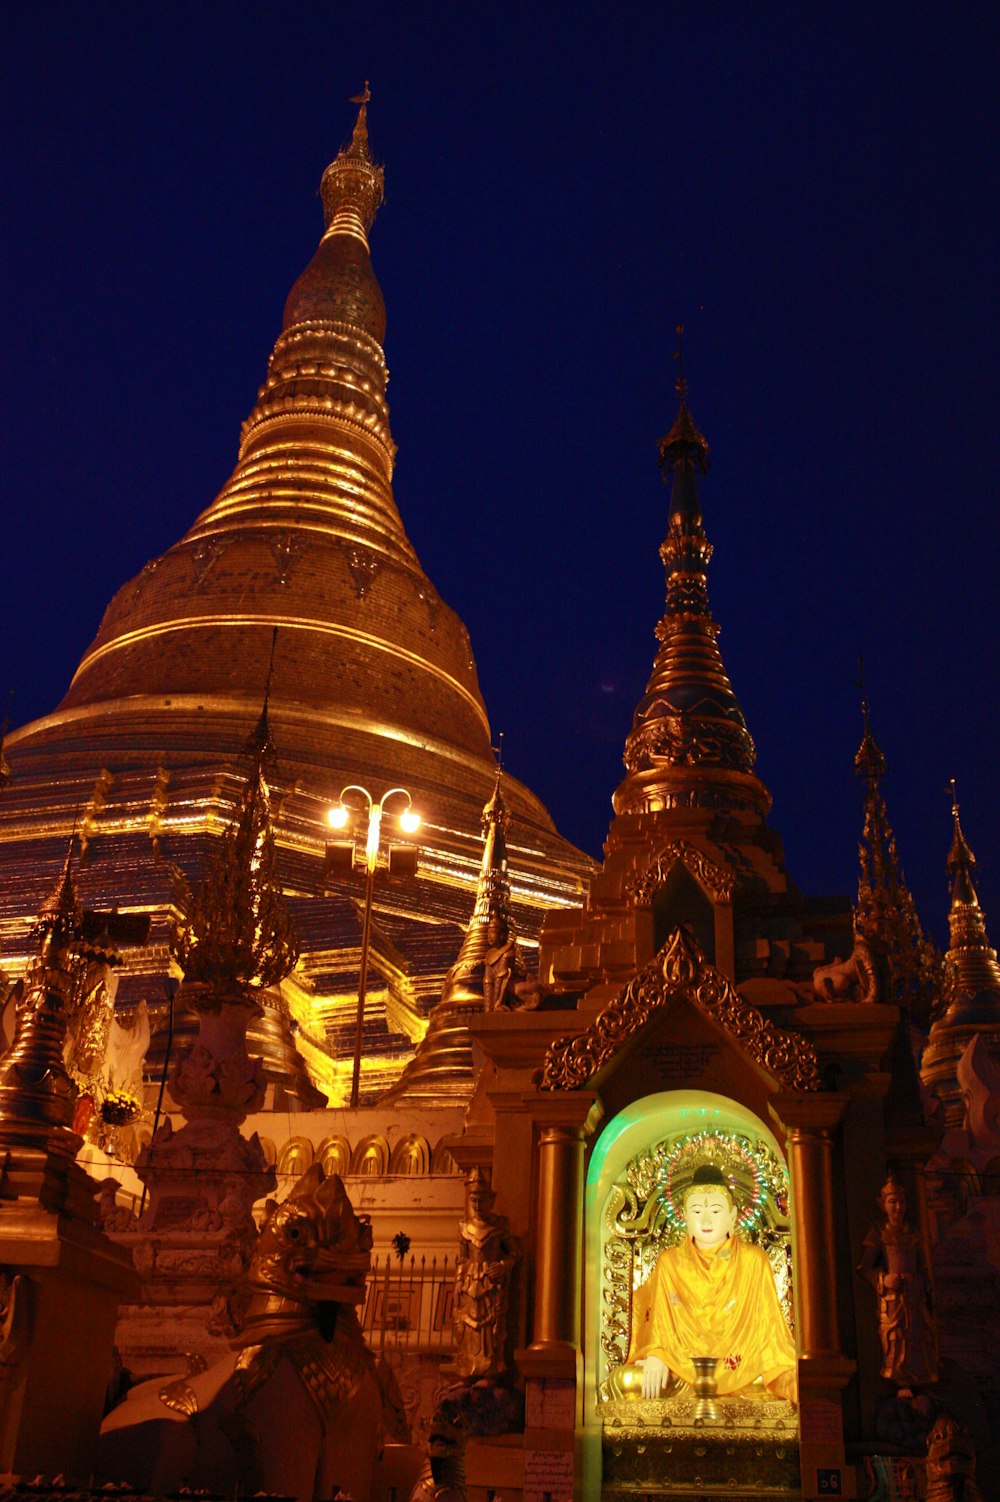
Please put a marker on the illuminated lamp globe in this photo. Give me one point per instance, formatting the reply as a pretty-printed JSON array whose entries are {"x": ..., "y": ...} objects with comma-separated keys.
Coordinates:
[
  {"x": 409, "y": 821},
  {"x": 337, "y": 816}
]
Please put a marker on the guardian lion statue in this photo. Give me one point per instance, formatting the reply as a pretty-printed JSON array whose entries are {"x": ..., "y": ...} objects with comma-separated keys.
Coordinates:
[{"x": 296, "y": 1408}]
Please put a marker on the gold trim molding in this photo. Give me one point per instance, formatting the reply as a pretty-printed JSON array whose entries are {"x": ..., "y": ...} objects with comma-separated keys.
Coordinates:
[
  {"x": 716, "y": 880},
  {"x": 680, "y": 970}
]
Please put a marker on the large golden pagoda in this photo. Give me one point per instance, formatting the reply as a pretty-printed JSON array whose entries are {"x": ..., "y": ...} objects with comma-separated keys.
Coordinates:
[{"x": 373, "y": 682}]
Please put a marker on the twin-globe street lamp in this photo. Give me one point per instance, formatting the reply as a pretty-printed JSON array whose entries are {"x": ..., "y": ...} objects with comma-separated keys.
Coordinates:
[{"x": 399, "y": 856}]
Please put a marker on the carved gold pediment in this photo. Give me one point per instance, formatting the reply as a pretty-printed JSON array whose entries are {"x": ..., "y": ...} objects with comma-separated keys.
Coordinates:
[
  {"x": 716, "y": 880},
  {"x": 680, "y": 970}
]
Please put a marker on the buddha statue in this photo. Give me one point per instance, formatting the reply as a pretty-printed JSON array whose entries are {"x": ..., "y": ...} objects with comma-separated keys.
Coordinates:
[{"x": 712, "y": 1295}]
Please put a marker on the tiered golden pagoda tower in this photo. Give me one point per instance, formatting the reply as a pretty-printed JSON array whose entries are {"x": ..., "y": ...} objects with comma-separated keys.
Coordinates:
[
  {"x": 689, "y": 842},
  {"x": 373, "y": 682}
]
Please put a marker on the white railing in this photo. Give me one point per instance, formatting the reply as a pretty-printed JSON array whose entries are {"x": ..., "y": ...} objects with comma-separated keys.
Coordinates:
[{"x": 409, "y": 1303}]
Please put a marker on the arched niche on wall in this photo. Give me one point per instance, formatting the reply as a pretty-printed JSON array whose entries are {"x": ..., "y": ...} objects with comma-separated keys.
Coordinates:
[
  {"x": 269, "y": 1150},
  {"x": 334, "y": 1155},
  {"x": 296, "y": 1156},
  {"x": 636, "y": 1152},
  {"x": 442, "y": 1160},
  {"x": 411, "y": 1155},
  {"x": 371, "y": 1157}
]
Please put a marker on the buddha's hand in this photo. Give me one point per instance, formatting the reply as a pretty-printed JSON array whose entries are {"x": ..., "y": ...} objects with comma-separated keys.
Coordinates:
[{"x": 654, "y": 1376}]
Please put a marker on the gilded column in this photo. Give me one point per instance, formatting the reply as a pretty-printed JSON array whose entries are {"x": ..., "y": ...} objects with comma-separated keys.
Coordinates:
[
  {"x": 808, "y": 1122},
  {"x": 563, "y": 1123}
]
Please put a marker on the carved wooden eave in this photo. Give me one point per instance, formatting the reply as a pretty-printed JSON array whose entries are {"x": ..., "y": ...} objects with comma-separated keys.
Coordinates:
[
  {"x": 714, "y": 880},
  {"x": 681, "y": 972}
]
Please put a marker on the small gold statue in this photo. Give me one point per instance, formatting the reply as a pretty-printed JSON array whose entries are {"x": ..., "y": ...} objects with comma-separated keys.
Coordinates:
[
  {"x": 893, "y": 1263},
  {"x": 487, "y": 1253},
  {"x": 712, "y": 1296}
]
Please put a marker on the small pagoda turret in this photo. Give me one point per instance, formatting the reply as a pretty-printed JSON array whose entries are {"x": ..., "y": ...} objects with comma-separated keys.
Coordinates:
[{"x": 969, "y": 1006}]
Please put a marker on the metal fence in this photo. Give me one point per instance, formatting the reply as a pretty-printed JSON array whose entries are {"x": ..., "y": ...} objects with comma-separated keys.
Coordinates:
[{"x": 409, "y": 1303}]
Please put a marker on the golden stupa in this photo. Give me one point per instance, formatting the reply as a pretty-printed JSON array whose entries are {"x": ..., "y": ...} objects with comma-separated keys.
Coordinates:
[{"x": 373, "y": 682}]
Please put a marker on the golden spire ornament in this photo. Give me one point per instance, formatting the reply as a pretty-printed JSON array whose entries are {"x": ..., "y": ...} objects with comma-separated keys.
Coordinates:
[
  {"x": 37, "y": 1095},
  {"x": 235, "y": 932},
  {"x": 886, "y": 914},
  {"x": 689, "y": 746}
]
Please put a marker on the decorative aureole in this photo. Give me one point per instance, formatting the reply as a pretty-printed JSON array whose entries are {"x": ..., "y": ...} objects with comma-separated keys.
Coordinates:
[
  {"x": 716, "y": 881},
  {"x": 679, "y": 1272},
  {"x": 680, "y": 969}
]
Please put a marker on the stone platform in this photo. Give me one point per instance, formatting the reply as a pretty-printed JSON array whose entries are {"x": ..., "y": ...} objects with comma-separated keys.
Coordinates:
[{"x": 656, "y": 1450}]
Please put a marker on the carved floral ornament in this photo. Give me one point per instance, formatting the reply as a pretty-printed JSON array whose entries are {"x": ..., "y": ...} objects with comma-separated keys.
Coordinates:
[
  {"x": 680, "y": 969},
  {"x": 716, "y": 881}
]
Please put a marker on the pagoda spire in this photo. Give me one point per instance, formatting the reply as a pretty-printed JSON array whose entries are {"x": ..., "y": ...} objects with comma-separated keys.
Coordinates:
[
  {"x": 442, "y": 1070},
  {"x": 886, "y": 914},
  {"x": 353, "y": 185},
  {"x": 972, "y": 974},
  {"x": 689, "y": 746},
  {"x": 235, "y": 933},
  {"x": 37, "y": 1095},
  {"x": 967, "y": 1013}
]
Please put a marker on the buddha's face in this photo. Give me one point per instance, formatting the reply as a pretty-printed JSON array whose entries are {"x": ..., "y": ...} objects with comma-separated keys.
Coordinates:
[
  {"x": 711, "y": 1217},
  {"x": 894, "y": 1203}
]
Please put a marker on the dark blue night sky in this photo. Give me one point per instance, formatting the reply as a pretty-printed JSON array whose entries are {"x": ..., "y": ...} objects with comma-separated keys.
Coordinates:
[{"x": 811, "y": 189}]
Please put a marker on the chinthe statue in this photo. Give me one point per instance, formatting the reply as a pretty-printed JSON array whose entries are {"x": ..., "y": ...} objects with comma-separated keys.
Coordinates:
[
  {"x": 712, "y": 1295},
  {"x": 296, "y": 1408},
  {"x": 893, "y": 1263},
  {"x": 487, "y": 1253}
]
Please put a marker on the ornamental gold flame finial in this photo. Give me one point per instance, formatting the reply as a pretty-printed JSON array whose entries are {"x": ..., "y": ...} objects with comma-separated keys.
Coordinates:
[{"x": 352, "y": 185}]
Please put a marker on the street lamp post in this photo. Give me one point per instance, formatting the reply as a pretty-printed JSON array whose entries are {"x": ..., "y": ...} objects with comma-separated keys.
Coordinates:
[{"x": 409, "y": 821}]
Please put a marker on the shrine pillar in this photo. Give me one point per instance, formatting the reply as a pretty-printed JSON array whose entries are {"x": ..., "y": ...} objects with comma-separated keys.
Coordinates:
[
  {"x": 807, "y": 1122},
  {"x": 552, "y": 1363}
]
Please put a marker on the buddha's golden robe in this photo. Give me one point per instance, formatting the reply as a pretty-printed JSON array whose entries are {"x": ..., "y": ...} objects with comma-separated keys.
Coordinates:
[{"x": 722, "y": 1303}]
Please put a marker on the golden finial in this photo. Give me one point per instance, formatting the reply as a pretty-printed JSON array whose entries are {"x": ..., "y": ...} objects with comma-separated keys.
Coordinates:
[
  {"x": 359, "y": 138},
  {"x": 869, "y": 762},
  {"x": 684, "y": 445},
  {"x": 259, "y": 745},
  {"x": 961, "y": 861},
  {"x": 681, "y": 385},
  {"x": 495, "y": 811},
  {"x": 352, "y": 185}
]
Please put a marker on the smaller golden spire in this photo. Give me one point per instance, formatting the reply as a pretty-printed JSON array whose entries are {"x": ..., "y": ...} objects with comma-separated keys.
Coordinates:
[
  {"x": 235, "y": 933},
  {"x": 886, "y": 914},
  {"x": 352, "y": 186},
  {"x": 689, "y": 746},
  {"x": 37, "y": 1095},
  {"x": 973, "y": 975},
  {"x": 442, "y": 1070}
]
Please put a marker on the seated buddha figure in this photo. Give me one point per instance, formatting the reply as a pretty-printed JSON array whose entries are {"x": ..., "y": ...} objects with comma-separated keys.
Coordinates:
[{"x": 712, "y": 1295}]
